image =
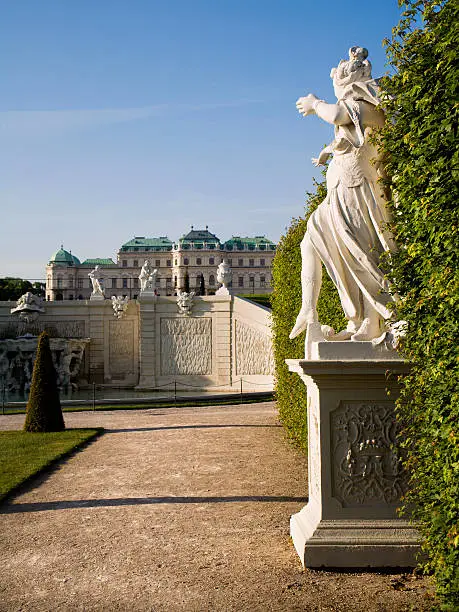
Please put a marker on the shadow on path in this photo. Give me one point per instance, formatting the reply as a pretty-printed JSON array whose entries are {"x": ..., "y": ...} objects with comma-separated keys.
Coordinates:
[
  {"x": 129, "y": 429},
  {"x": 138, "y": 501}
]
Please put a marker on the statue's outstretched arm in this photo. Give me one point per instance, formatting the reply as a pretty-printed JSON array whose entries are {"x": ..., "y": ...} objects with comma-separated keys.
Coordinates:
[{"x": 336, "y": 114}]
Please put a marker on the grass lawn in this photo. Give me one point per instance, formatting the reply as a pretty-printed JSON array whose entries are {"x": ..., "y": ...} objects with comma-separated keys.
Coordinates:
[{"x": 24, "y": 454}]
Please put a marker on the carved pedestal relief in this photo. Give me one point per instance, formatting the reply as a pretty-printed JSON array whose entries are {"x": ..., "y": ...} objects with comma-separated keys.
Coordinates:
[
  {"x": 365, "y": 465},
  {"x": 254, "y": 354},
  {"x": 121, "y": 347},
  {"x": 186, "y": 346}
]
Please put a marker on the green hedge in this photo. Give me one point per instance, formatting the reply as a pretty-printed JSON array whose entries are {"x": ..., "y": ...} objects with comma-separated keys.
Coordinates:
[
  {"x": 420, "y": 141},
  {"x": 286, "y": 303}
]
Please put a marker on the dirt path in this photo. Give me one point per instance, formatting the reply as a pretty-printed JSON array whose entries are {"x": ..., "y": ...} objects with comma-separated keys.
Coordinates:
[{"x": 175, "y": 509}]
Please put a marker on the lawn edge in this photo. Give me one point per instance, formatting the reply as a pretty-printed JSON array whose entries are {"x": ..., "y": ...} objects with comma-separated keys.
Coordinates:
[{"x": 52, "y": 463}]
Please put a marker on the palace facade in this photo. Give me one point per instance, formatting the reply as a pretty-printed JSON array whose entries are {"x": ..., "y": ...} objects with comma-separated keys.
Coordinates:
[{"x": 196, "y": 254}]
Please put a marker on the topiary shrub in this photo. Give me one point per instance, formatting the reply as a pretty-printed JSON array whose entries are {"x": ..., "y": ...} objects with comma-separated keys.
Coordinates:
[
  {"x": 286, "y": 302},
  {"x": 420, "y": 143},
  {"x": 43, "y": 412}
]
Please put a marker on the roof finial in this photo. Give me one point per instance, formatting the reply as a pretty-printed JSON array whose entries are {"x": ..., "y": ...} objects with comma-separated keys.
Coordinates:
[
  {"x": 62, "y": 245},
  {"x": 207, "y": 227},
  {"x": 191, "y": 227}
]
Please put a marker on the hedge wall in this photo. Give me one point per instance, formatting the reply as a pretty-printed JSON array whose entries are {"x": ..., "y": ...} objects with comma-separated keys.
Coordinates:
[
  {"x": 286, "y": 303},
  {"x": 420, "y": 141}
]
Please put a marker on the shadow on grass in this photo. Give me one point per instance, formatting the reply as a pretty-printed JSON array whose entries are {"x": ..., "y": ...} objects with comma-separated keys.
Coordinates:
[{"x": 42, "y": 474}]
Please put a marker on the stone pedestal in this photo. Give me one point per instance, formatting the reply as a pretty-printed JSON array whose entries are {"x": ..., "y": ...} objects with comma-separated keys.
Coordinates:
[
  {"x": 354, "y": 473},
  {"x": 96, "y": 297},
  {"x": 147, "y": 333}
]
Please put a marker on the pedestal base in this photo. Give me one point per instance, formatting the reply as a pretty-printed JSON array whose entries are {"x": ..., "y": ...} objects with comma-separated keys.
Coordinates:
[
  {"x": 96, "y": 297},
  {"x": 355, "y": 476},
  {"x": 353, "y": 543}
]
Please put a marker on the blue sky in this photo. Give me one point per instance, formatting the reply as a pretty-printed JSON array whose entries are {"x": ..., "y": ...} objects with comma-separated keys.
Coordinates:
[{"x": 143, "y": 117}]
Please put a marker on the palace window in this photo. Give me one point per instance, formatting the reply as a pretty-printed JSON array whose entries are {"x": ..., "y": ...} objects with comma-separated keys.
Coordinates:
[
  {"x": 136, "y": 263},
  {"x": 113, "y": 283},
  {"x": 158, "y": 263},
  {"x": 186, "y": 261},
  {"x": 211, "y": 261},
  {"x": 262, "y": 281},
  {"x": 136, "y": 283},
  {"x": 240, "y": 281},
  {"x": 125, "y": 283},
  {"x": 240, "y": 263},
  {"x": 124, "y": 263},
  {"x": 80, "y": 283},
  {"x": 168, "y": 263},
  {"x": 251, "y": 263},
  {"x": 198, "y": 261},
  {"x": 262, "y": 262},
  {"x": 211, "y": 280}
]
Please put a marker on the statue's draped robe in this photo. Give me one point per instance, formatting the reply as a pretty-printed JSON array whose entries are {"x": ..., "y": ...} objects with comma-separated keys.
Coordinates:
[{"x": 349, "y": 228}]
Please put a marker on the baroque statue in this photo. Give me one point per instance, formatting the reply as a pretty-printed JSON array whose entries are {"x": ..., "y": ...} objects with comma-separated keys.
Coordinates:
[
  {"x": 28, "y": 307},
  {"x": 147, "y": 277},
  {"x": 224, "y": 277},
  {"x": 119, "y": 304},
  {"x": 348, "y": 231},
  {"x": 97, "y": 283}
]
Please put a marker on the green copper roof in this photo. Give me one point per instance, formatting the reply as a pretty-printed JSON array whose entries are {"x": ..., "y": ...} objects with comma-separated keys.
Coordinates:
[
  {"x": 199, "y": 236},
  {"x": 98, "y": 262},
  {"x": 64, "y": 258},
  {"x": 141, "y": 241},
  {"x": 241, "y": 241}
]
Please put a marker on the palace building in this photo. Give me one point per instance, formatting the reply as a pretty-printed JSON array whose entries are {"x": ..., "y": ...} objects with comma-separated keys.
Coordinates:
[{"x": 196, "y": 254}]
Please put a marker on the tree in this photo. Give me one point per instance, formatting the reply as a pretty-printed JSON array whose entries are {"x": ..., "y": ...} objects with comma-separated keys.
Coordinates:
[
  {"x": 44, "y": 412},
  {"x": 12, "y": 288},
  {"x": 420, "y": 144}
]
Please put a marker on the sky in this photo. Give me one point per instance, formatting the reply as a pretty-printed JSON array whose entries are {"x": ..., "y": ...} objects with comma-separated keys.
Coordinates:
[{"x": 123, "y": 118}]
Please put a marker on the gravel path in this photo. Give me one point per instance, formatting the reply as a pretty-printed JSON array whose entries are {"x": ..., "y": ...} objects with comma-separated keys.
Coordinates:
[{"x": 176, "y": 509}]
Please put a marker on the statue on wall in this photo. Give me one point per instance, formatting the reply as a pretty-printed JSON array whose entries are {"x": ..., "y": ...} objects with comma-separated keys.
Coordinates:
[
  {"x": 147, "y": 277},
  {"x": 97, "y": 283},
  {"x": 224, "y": 277},
  {"x": 185, "y": 302},
  {"x": 348, "y": 231},
  {"x": 28, "y": 307},
  {"x": 120, "y": 305}
]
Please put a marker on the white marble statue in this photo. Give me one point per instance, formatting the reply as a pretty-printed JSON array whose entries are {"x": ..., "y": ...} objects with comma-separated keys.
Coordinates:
[
  {"x": 348, "y": 231},
  {"x": 97, "y": 283},
  {"x": 185, "y": 302},
  {"x": 224, "y": 277},
  {"x": 28, "y": 307},
  {"x": 147, "y": 277},
  {"x": 119, "y": 304}
]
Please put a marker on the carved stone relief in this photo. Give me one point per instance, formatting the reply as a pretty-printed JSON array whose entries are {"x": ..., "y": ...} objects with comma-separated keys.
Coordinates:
[
  {"x": 366, "y": 468},
  {"x": 121, "y": 347},
  {"x": 254, "y": 353},
  {"x": 56, "y": 329},
  {"x": 186, "y": 346}
]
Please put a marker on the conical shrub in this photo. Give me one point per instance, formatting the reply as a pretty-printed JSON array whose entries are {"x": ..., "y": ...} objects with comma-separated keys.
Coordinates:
[{"x": 44, "y": 412}]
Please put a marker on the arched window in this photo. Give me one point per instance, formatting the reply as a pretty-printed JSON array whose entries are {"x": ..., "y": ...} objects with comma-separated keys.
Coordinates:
[
  {"x": 211, "y": 280},
  {"x": 186, "y": 261}
]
